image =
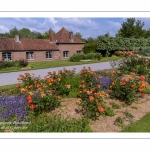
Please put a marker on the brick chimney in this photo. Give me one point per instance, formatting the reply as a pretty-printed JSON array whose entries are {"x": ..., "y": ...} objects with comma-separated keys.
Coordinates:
[
  {"x": 71, "y": 36},
  {"x": 51, "y": 35},
  {"x": 17, "y": 38}
]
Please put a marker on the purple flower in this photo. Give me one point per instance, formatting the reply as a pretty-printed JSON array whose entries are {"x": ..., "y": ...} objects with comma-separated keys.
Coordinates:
[
  {"x": 13, "y": 106},
  {"x": 104, "y": 81}
]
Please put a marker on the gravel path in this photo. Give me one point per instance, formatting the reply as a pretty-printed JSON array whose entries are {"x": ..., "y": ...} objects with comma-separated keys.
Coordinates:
[{"x": 11, "y": 78}]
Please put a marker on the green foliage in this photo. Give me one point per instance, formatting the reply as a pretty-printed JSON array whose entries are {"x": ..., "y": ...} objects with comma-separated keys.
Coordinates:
[
  {"x": 46, "y": 123},
  {"x": 145, "y": 51},
  {"x": 44, "y": 103},
  {"x": 133, "y": 63},
  {"x": 90, "y": 47},
  {"x": 24, "y": 33},
  {"x": 18, "y": 63},
  {"x": 131, "y": 29},
  {"x": 114, "y": 105},
  {"x": 107, "y": 43},
  {"x": 76, "y": 57},
  {"x": 141, "y": 125},
  {"x": 78, "y": 35},
  {"x": 90, "y": 95},
  {"x": 109, "y": 111},
  {"x": 128, "y": 115},
  {"x": 119, "y": 122},
  {"x": 128, "y": 89}
]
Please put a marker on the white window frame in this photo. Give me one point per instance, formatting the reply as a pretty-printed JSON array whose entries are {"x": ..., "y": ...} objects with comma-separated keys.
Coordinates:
[
  {"x": 30, "y": 55},
  {"x": 49, "y": 54},
  {"x": 66, "y": 54},
  {"x": 79, "y": 52},
  {"x": 7, "y": 56}
]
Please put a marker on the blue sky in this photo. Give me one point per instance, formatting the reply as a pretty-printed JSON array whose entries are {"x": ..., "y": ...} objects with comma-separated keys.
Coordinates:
[{"x": 88, "y": 27}]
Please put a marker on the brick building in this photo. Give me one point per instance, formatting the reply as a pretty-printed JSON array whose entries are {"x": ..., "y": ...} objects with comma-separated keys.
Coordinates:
[{"x": 58, "y": 47}]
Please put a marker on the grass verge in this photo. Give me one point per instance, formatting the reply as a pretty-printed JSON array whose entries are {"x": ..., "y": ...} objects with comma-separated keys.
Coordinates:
[{"x": 143, "y": 125}]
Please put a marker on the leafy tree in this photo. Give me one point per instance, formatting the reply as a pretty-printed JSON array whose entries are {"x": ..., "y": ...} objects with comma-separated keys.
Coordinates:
[
  {"x": 12, "y": 33},
  {"x": 25, "y": 33},
  {"x": 90, "y": 39},
  {"x": 131, "y": 29},
  {"x": 78, "y": 35}
]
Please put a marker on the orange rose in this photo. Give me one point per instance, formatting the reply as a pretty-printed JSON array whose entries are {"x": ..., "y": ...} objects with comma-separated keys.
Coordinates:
[
  {"x": 84, "y": 90},
  {"x": 139, "y": 89},
  {"x": 132, "y": 86},
  {"x": 91, "y": 98},
  {"x": 98, "y": 86},
  {"x": 100, "y": 109},
  {"x": 32, "y": 106},
  {"x": 142, "y": 78}
]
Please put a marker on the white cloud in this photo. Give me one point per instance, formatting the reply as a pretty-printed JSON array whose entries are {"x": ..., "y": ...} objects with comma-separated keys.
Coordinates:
[
  {"x": 3, "y": 29},
  {"x": 114, "y": 25},
  {"x": 53, "y": 21}
]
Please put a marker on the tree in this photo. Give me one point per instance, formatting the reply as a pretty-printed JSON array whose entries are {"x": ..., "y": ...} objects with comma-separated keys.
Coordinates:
[
  {"x": 12, "y": 33},
  {"x": 131, "y": 29},
  {"x": 78, "y": 35},
  {"x": 25, "y": 33},
  {"x": 46, "y": 34}
]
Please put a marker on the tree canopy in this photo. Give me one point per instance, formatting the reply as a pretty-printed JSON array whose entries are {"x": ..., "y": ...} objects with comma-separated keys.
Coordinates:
[{"x": 131, "y": 29}]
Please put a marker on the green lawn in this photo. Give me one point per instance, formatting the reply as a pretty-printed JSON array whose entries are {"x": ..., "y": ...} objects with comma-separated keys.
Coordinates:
[
  {"x": 143, "y": 125},
  {"x": 56, "y": 63}
]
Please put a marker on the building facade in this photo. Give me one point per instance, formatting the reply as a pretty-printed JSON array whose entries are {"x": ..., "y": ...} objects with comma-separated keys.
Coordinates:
[{"x": 58, "y": 47}]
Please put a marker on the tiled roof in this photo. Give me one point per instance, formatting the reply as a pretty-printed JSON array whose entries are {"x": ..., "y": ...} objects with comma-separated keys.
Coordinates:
[
  {"x": 26, "y": 44},
  {"x": 62, "y": 36}
]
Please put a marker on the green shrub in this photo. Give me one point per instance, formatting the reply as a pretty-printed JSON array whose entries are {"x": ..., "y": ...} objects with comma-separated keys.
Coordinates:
[
  {"x": 17, "y": 63},
  {"x": 90, "y": 95},
  {"x": 128, "y": 89},
  {"x": 119, "y": 122},
  {"x": 45, "y": 123},
  {"x": 76, "y": 57},
  {"x": 145, "y": 51},
  {"x": 133, "y": 63}
]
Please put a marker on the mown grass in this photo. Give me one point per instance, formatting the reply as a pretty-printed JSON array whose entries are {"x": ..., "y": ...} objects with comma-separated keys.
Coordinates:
[
  {"x": 56, "y": 63},
  {"x": 143, "y": 125}
]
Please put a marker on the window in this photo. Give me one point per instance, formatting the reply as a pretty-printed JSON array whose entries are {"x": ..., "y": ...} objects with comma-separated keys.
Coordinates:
[
  {"x": 6, "y": 56},
  {"x": 49, "y": 54},
  {"x": 78, "y": 52},
  {"x": 30, "y": 55},
  {"x": 66, "y": 54}
]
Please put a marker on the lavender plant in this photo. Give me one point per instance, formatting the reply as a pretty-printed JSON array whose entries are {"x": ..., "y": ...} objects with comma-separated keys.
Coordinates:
[
  {"x": 104, "y": 81},
  {"x": 14, "y": 106}
]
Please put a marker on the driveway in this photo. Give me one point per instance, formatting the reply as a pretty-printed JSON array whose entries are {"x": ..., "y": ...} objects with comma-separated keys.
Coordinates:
[{"x": 11, "y": 78}]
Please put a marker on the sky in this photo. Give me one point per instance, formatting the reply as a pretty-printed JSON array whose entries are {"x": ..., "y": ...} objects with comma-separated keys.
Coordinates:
[{"x": 88, "y": 27}]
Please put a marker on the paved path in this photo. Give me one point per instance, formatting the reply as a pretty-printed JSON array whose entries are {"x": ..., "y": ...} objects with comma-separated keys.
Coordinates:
[{"x": 11, "y": 78}]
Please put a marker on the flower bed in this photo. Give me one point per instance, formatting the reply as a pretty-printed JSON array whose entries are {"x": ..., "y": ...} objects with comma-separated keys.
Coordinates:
[{"x": 36, "y": 96}]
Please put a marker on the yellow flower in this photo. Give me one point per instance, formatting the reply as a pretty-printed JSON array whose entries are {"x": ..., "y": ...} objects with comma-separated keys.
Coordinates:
[
  {"x": 79, "y": 101},
  {"x": 31, "y": 94},
  {"x": 50, "y": 84},
  {"x": 58, "y": 79},
  {"x": 43, "y": 94},
  {"x": 23, "y": 90},
  {"x": 68, "y": 86}
]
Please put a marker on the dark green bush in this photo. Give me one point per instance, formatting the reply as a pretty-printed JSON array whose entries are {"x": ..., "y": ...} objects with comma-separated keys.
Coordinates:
[
  {"x": 17, "y": 63},
  {"x": 145, "y": 51},
  {"x": 76, "y": 57}
]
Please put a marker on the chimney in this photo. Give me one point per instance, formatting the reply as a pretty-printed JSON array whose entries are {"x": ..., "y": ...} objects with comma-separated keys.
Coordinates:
[
  {"x": 17, "y": 38},
  {"x": 51, "y": 35},
  {"x": 71, "y": 36}
]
